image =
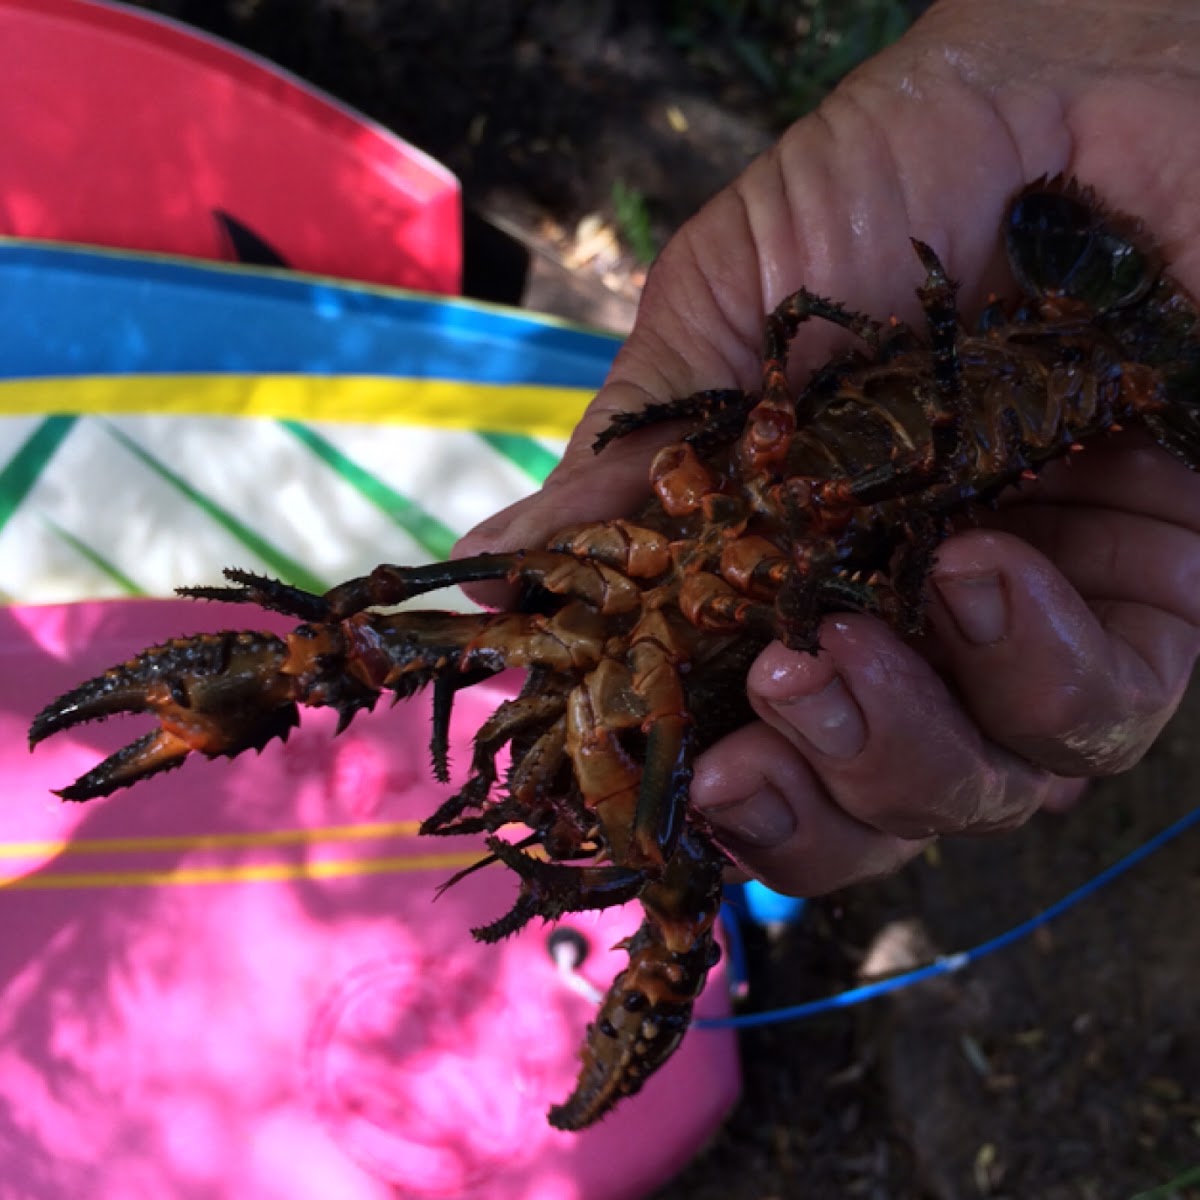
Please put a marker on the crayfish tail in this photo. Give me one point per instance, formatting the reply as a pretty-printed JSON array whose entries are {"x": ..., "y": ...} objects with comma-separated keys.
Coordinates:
[
  {"x": 639, "y": 1026},
  {"x": 647, "y": 1011}
]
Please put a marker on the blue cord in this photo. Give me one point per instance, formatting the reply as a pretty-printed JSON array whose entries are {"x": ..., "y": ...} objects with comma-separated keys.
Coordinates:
[
  {"x": 737, "y": 970},
  {"x": 951, "y": 963}
]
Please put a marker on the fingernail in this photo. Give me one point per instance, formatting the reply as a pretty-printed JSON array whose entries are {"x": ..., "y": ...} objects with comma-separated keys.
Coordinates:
[
  {"x": 978, "y": 605},
  {"x": 829, "y": 719},
  {"x": 763, "y": 820}
]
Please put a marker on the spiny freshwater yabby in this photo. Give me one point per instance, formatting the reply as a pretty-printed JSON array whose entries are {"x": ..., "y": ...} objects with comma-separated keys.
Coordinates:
[{"x": 776, "y": 507}]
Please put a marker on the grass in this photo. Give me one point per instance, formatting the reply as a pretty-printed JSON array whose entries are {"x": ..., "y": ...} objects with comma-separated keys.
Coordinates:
[
  {"x": 633, "y": 221},
  {"x": 1172, "y": 1189},
  {"x": 794, "y": 51}
]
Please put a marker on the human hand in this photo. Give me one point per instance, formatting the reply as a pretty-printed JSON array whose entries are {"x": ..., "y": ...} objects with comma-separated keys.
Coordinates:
[{"x": 1062, "y": 638}]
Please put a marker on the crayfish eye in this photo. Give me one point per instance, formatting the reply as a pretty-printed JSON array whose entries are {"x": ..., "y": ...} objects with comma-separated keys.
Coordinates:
[{"x": 1060, "y": 245}]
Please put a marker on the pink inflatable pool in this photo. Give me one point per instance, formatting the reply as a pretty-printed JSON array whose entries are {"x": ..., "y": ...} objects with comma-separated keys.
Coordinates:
[
  {"x": 233, "y": 982},
  {"x": 122, "y": 128}
]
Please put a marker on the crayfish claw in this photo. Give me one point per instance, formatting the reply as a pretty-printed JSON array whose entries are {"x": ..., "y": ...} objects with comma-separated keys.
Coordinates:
[
  {"x": 77, "y": 706},
  {"x": 216, "y": 694},
  {"x": 122, "y": 689},
  {"x": 268, "y": 593},
  {"x": 158, "y": 751}
]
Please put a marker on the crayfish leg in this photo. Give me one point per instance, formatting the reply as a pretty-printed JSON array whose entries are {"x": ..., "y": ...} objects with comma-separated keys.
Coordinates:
[
  {"x": 606, "y": 590},
  {"x": 271, "y": 594},
  {"x": 445, "y": 688},
  {"x": 638, "y": 797},
  {"x": 724, "y": 405},
  {"x": 548, "y": 889},
  {"x": 948, "y": 410},
  {"x": 666, "y": 772},
  {"x": 509, "y": 720},
  {"x": 772, "y": 423}
]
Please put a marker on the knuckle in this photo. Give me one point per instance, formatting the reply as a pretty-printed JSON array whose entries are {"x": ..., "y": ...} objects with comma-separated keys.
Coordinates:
[
  {"x": 1077, "y": 732},
  {"x": 988, "y": 798},
  {"x": 1103, "y": 747}
]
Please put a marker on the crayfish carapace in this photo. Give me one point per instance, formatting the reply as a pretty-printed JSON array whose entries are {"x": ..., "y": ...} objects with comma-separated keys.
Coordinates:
[{"x": 778, "y": 507}]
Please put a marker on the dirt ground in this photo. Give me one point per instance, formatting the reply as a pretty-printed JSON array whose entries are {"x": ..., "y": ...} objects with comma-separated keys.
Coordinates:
[{"x": 1066, "y": 1067}]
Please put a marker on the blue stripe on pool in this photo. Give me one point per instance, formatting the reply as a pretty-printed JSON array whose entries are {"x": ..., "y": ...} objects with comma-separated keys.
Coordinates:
[{"x": 73, "y": 311}]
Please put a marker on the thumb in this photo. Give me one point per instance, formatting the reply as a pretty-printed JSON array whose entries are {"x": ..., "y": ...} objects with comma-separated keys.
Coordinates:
[{"x": 585, "y": 486}]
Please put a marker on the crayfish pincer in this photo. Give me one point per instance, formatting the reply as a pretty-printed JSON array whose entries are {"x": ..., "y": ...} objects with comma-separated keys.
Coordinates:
[{"x": 776, "y": 507}]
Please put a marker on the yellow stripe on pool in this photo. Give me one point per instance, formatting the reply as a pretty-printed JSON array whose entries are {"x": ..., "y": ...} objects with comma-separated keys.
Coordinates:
[{"x": 529, "y": 409}]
